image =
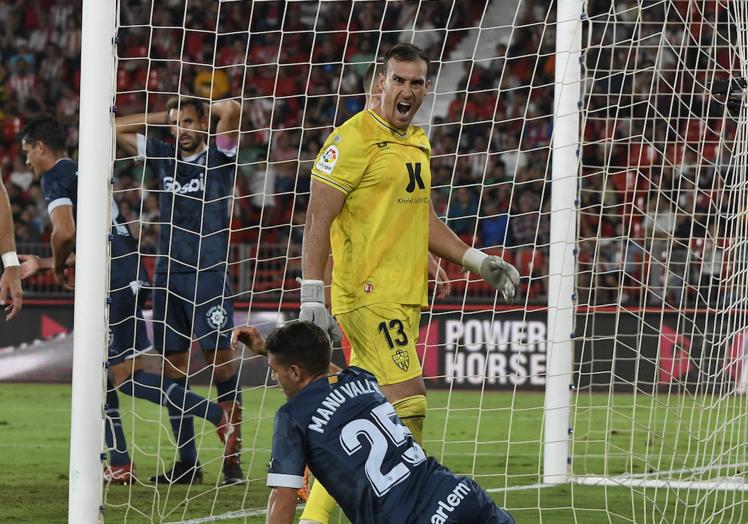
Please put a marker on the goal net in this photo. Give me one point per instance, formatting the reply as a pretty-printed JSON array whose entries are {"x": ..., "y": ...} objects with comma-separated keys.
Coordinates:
[{"x": 597, "y": 146}]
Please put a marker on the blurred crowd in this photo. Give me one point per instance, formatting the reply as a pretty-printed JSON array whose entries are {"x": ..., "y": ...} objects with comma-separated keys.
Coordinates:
[{"x": 298, "y": 68}]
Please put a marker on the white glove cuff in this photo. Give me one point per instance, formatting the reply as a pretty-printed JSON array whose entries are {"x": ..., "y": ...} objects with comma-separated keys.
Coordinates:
[
  {"x": 312, "y": 291},
  {"x": 472, "y": 260},
  {"x": 10, "y": 259}
]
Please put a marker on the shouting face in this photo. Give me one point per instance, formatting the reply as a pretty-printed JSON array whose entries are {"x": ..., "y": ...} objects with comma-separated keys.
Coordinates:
[{"x": 403, "y": 87}]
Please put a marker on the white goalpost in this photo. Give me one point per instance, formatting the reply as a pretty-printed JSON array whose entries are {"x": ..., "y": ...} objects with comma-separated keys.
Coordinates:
[
  {"x": 600, "y": 147},
  {"x": 96, "y": 146}
]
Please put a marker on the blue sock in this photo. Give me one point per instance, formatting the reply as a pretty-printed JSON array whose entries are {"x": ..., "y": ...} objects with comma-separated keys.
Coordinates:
[
  {"x": 229, "y": 390},
  {"x": 183, "y": 428},
  {"x": 113, "y": 433},
  {"x": 148, "y": 386}
]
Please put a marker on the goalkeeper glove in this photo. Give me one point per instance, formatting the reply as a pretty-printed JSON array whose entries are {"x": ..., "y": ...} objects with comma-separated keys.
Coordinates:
[
  {"x": 494, "y": 270},
  {"x": 313, "y": 309}
]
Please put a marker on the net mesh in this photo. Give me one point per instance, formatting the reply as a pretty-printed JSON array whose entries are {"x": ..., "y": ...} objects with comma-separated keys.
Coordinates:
[{"x": 657, "y": 427}]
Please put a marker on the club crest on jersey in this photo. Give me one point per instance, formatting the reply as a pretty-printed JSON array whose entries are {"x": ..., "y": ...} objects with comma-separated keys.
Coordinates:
[
  {"x": 216, "y": 316},
  {"x": 327, "y": 161},
  {"x": 401, "y": 359}
]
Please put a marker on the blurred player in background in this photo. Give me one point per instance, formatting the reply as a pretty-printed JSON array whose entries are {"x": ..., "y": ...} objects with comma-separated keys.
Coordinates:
[
  {"x": 191, "y": 289},
  {"x": 10, "y": 278},
  {"x": 44, "y": 143},
  {"x": 370, "y": 203},
  {"x": 340, "y": 425}
]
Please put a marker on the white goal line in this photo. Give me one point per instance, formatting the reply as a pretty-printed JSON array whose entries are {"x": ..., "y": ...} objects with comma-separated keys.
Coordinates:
[{"x": 731, "y": 484}]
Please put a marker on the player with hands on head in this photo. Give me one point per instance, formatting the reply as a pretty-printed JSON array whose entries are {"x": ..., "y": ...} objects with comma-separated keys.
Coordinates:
[
  {"x": 339, "y": 424},
  {"x": 370, "y": 204},
  {"x": 192, "y": 296},
  {"x": 10, "y": 278}
]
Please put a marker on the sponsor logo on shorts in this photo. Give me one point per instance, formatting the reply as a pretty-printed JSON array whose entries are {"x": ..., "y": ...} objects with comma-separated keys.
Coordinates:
[
  {"x": 327, "y": 161},
  {"x": 401, "y": 359},
  {"x": 216, "y": 316},
  {"x": 449, "y": 503},
  {"x": 368, "y": 287}
]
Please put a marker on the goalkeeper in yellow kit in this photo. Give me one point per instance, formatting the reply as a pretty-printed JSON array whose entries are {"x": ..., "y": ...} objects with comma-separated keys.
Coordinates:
[{"x": 370, "y": 203}]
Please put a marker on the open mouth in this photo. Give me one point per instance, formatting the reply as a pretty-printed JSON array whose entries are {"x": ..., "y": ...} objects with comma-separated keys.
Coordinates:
[{"x": 403, "y": 108}]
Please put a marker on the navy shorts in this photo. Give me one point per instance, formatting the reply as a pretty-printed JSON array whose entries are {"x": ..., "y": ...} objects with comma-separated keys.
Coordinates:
[
  {"x": 127, "y": 334},
  {"x": 192, "y": 304},
  {"x": 463, "y": 501}
]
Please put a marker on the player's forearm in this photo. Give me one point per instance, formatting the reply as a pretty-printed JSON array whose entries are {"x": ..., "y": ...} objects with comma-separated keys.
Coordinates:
[
  {"x": 443, "y": 242},
  {"x": 131, "y": 124},
  {"x": 7, "y": 233},
  {"x": 315, "y": 250},
  {"x": 63, "y": 244},
  {"x": 281, "y": 506}
]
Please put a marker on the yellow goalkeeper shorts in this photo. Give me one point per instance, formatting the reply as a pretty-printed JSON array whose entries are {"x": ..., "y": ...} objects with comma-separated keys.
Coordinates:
[{"x": 383, "y": 340}]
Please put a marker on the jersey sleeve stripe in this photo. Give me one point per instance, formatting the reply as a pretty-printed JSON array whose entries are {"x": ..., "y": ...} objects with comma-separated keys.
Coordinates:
[
  {"x": 57, "y": 203},
  {"x": 141, "y": 143},
  {"x": 280, "y": 480},
  {"x": 331, "y": 183}
]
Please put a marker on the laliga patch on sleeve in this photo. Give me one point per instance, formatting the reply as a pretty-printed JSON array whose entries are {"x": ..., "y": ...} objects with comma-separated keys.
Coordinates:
[{"x": 327, "y": 161}]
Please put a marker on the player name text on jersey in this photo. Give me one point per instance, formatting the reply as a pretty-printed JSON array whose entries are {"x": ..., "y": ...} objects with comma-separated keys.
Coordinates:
[{"x": 335, "y": 399}]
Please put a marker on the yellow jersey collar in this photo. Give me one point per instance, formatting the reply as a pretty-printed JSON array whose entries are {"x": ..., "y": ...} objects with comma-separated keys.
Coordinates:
[{"x": 383, "y": 123}]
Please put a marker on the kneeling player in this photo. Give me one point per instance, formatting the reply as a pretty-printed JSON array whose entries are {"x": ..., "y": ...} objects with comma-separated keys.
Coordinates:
[{"x": 354, "y": 443}]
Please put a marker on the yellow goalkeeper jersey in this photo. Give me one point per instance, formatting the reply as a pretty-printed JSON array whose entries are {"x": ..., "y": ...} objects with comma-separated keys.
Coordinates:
[{"x": 380, "y": 238}]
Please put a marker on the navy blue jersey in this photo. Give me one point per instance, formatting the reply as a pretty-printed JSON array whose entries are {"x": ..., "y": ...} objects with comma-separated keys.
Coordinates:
[
  {"x": 341, "y": 427},
  {"x": 60, "y": 188},
  {"x": 194, "y": 199}
]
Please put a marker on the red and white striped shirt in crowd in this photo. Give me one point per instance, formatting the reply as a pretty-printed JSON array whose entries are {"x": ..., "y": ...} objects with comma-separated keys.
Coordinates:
[{"x": 22, "y": 86}]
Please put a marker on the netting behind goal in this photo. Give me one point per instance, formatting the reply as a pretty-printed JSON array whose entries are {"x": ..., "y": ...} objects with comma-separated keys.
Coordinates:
[{"x": 657, "y": 425}]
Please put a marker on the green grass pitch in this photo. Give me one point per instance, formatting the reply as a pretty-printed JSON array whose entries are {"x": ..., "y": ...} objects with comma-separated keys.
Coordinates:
[{"x": 494, "y": 436}]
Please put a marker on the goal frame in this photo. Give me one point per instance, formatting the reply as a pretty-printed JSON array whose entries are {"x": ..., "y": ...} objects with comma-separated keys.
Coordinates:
[{"x": 85, "y": 495}]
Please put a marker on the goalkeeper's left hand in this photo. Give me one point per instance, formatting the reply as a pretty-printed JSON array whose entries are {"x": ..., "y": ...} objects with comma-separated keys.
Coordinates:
[{"x": 495, "y": 270}]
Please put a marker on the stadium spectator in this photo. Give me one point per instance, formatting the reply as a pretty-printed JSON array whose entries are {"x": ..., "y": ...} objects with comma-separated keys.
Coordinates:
[
  {"x": 47, "y": 34},
  {"x": 463, "y": 211}
]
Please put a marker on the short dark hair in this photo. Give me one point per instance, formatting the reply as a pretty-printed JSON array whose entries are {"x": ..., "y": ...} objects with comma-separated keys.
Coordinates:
[
  {"x": 374, "y": 69},
  {"x": 45, "y": 129},
  {"x": 301, "y": 343},
  {"x": 405, "y": 52},
  {"x": 179, "y": 102}
]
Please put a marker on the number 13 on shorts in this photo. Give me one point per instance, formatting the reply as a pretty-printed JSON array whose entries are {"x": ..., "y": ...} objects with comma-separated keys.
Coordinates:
[{"x": 383, "y": 340}]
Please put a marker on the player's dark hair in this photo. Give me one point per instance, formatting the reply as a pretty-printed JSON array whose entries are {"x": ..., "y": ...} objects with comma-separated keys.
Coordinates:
[
  {"x": 302, "y": 343},
  {"x": 405, "y": 52},
  {"x": 177, "y": 102},
  {"x": 45, "y": 129},
  {"x": 374, "y": 69}
]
